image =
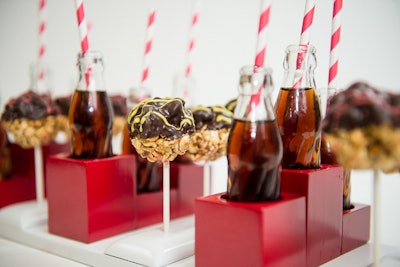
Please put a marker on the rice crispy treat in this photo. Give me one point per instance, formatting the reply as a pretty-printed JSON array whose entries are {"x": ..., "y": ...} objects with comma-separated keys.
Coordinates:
[
  {"x": 160, "y": 128},
  {"x": 32, "y": 119},
  {"x": 362, "y": 125},
  {"x": 213, "y": 125}
]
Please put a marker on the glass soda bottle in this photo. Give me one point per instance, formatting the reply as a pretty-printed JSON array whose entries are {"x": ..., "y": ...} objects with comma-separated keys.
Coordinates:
[
  {"x": 254, "y": 149},
  {"x": 298, "y": 111},
  {"x": 328, "y": 157},
  {"x": 148, "y": 177},
  {"x": 90, "y": 114}
]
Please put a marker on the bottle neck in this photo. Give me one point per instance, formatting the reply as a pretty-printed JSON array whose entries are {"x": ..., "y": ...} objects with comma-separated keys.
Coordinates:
[
  {"x": 299, "y": 65},
  {"x": 254, "y": 102},
  {"x": 39, "y": 78},
  {"x": 91, "y": 72}
]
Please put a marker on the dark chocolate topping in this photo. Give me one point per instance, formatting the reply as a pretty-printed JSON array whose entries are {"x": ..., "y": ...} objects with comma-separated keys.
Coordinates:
[
  {"x": 119, "y": 105},
  {"x": 63, "y": 103},
  {"x": 362, "y": 105},
  {"x": 164, "y": 117},
  {"x": 214, "y": 118},
  {"x": 30, "y": 105}
]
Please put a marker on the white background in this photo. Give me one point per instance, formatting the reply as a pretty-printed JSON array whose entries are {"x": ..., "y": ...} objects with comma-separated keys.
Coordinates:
[{"x": 226, "y": 41}]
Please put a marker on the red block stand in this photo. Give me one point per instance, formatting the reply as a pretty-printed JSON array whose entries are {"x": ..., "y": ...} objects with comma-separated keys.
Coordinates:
[
  {"x": 89, "y": 200},
  {"x": 250, "y": 234},
  {"x": 21, "y": 185},
  {"x": 356, "y": 227},
  {"x": 323, "y": 189}
]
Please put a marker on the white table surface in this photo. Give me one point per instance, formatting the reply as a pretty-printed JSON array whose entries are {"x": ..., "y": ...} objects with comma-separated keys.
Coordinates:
[{"x": 13, "y": 254}]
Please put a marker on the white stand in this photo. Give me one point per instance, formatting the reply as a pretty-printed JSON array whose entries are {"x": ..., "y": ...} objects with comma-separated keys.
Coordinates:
[
  {"x": 376, "y": 219},
  {"x": 156, "y": 247},
  {"x": 24, "y": 215}
]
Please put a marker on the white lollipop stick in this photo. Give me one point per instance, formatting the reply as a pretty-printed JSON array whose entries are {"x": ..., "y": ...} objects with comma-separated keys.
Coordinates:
[
  {"x": 166, "y": 196},
  {"x": 39, "y": 179},
  {"x": 376, "y": 218},
  {"x": 206, "y": 178}
]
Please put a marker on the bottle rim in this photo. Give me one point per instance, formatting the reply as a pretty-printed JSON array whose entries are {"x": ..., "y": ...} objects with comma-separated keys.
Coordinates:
[
  {"x": 251, "y": 69},
  {"x": 301, "y": 48}
]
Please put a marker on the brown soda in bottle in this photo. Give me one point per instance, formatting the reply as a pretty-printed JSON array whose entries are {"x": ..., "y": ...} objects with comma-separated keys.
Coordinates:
[
  {"x": 90, "y": 114},
  {"x": 328, "y": 157},
  {"x": 5, "y": 157},
  {"x": 299, "y": 119},
  {"x": 254, "y": 149},
  {"x": 298, "y": 111}
]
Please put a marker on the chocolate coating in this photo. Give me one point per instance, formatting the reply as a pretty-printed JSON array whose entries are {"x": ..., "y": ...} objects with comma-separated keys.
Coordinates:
[
  {"x": 119, "y": 105},
  {"x": 214, "y": 118},
  {"x": 30, "y": 105},
  {"x": 63, "y": 104},
  {"x": 362, "y": 105},
  {"x": 164, "y": 117}
]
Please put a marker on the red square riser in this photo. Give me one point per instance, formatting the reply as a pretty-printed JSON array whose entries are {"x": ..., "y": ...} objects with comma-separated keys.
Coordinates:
[
  {"x": 20, "y": 186},
  {"x": 90, "y": 200},
  {"x": 356, "y": 227},
  {"x": 250, "y": 234},
  {"x": 323, "y": 189}
]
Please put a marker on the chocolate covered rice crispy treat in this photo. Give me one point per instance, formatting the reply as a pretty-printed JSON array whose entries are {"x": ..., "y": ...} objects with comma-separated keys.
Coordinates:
[{"x": 160, "y": 128}]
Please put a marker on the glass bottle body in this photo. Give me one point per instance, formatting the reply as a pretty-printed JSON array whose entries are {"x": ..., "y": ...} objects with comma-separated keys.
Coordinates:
[
  {"x": 298, "y": 110},
  {"x": 328, "y": 157},
  {"x": 90, "y": 114},
  {"x": 254, "y": 149}
]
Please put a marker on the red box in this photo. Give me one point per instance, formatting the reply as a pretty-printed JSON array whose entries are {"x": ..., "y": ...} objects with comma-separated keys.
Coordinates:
[
  {"x": 21, "y": 185},
  {"x": 323, "y": 189},
  {"x": 250, "y": 234},
  {"x": 356, "y": 227},
  {"x": 90, "y": 199}
]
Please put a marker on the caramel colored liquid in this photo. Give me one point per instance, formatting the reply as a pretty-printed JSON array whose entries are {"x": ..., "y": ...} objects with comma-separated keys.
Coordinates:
[
  {"x": 328, "y": 157},
  {"x": 90, "y": 117},
  {"x": 148, "y": 176},
  {"x": 254, "y": 153},
  {"x": 299, "y": 119}
]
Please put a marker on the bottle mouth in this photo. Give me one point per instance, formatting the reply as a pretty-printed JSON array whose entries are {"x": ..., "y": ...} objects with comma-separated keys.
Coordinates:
[
  {"x": 251, "y": 69},
  {"x": 301, "y": 48}
]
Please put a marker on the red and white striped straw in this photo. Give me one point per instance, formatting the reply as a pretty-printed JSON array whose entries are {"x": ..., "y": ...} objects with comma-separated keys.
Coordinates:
[
  {"x": 262, "y": 36},
  {"x": 335, "y": 39},
  {"x": 192, "y": 38},
  {"x": 42, "y": 37},
  {"x": 263, "y": 28},
  {"x": 84, "y": 40},
  {"x": 304, "y": 37},
  {"x": 148, "y": 45}
]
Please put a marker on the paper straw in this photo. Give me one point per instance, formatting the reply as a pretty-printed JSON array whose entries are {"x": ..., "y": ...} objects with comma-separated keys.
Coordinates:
[
  {"x": 42, "y": 42},
  {"x": 148, "y": 46},
  {"x": 304, "y": 39},
  {"x": 39, "y": 178},
  {"x": 83, "y": 34},
  {"x": 192, "y": 38},
  {"x": 263, "y": 28},
  {"x": 166, "y": 196},
  {"x": 335, "y": 39}
]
